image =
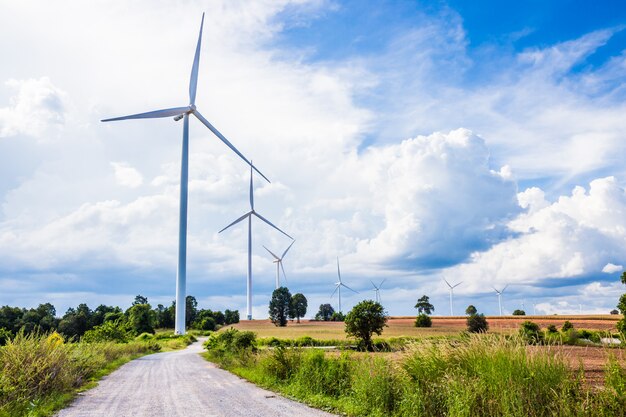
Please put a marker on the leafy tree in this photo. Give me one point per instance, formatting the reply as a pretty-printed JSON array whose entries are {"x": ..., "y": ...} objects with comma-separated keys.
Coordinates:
[
  {"x": 470, "y": 310},
  {"x": 423, "y": 320},
  {"x": 141, "y": 319},
  {"x": 424, "y": 306},
  {"x": 219, "y": 317},
  {"x": 325, "y": 312},
  {"x": 75, "y": 322},
  {"x": 207, "y": 323},
  {"x": 366, "y": 318},
  {"x": 476, "y": 323},
  {"x": 338, "y": 316},
  {"x": 531, "y": 333},
  {"x": 99, "y": 314},
  {"x": 298, "y": 306},
  {"x": 164, "y": 317},
  {"x": 191, "y": 309},
  {"x": 231, "y": 317},
  {"x": 5, "y": 336},
  {"x": 551, "y": 328},
  {"x": 140, "y": 299},
  {"x": 567, "y": 326},
  {"x": 623, "y": 278},
  {"x": 614, "y": 312},
  {"x": 280, "y": 304},
  {"x": 108, "y": 331},
  {"x": 10, "y": 318},
  {"x": 519, "y": 313}
]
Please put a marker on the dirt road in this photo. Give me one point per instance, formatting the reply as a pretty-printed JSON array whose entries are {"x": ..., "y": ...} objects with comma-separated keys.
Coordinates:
[{"x": 180, "y": 384}]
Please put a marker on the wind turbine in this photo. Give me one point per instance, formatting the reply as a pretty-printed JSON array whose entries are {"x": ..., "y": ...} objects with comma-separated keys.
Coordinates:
[
  {"x": 377, "y": 289},
  {"x": 179, "y": 113},
  {"x": 500, "y": 296},
  {"x": 279, "y": 263},
  {"x": 249, "y": 215},
  {"x": 340, "y": 284},
  {"x": 451, "y": 290}
]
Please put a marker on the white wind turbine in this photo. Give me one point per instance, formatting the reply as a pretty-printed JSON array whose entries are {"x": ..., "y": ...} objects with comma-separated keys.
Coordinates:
[
  {"x": 249, "y": 215},
  {"x": 500, "y": 296},
  {"x": 377, "y": 289},
  {"x": 279, "y": 263},
  {"x": 340, "y": 284},
  {"x": 451, "y": 291},
  {"x": 179, "y": 113}
]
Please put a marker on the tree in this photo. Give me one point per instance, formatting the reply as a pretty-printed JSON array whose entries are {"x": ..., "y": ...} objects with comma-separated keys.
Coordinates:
[
  {"x": 325, "y": 312},
  {"x": 141, "y": 318},
  {"x": 366, "y": 318},
  {"x": 614, "y": 312},
  {"x": 191, "y": 309},
  {"x": 298, "y": 306},
  {"x": 140, "y": 299},
  {"x": 519, "y": 313},
  {"x": 231, "y": 317},
  {"x": 476, "y": 323},
  {"x": 567, "y": 326},
  {"x": 75, "y": 322},
  {"x": 424, "y": 306},
  {"x": 280, "y": 305},
  {"x": 338, "y": 316},
  {"x": 470, "y": 310},
  {"x": 423, "y": 320}
]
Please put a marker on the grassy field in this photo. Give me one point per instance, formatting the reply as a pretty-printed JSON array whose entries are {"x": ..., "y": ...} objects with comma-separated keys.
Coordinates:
[{"x": 403, "y": 326}]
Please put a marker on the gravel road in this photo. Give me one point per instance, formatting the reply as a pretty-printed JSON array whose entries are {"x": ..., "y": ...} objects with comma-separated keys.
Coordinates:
[{"x": 181, "y": 384}]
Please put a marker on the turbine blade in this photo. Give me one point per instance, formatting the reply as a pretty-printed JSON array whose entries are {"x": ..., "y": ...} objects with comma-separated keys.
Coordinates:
[
  {"x": 287, "y": 250},
  {"x": 446, "y": 281},
  {"x": 336, "y": 288},
  {"x": 236, "y": 221},
  {"x": 338, "y": 271},
  {"x": 494, "y": 288},
  {"x": 382, "y": 282},
  {"x": 272, "y": 253},
  {"x": 349, "y": 288},
  {"x": 193, "y": 79},
  {"x": 175, "y": 111},
  {"x": 251, "y": 189},
  {"x": 504, "y": 287},
  {"x": 223, "y": 139},
  {"x": 374, "y": 285},
  {"x": 270, "y": 223},
  {"x": 456, "y": 285}
]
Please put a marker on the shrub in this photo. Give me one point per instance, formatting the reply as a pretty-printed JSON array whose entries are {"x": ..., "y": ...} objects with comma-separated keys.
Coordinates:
[
  {"x": 5, "y": 336},
  {"x": 282, "y": 362},
  {"x": 337, "y": 316},
  {"x": 207, "y": 323},
  {"x": 519, "y": 313},
  {"x": 567, "y": 326},
  {"x": 471, "y": 310},
  {"x": 551, "y": 328},
  {"x": 531, "y": 333},
  {"x": 109, "y": 331},
  {"x": 423, "y": 320},
  {"x": 477, "y": 323}
]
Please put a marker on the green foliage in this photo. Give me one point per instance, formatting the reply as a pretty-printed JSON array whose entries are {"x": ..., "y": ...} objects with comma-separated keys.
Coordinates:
[
  {"x": 191, "y": 310},
  {"x": 338, "y": 316},
  {"x": 325, "y": 312},
  {"x": 519, "y": 313},
  {"x": 471, "y": 310},
  {"x": 623, "y": 278},
  {"x": 614, "y": 312},
  {"x": 280, "y": 304},
  {"x": 231, "y": 317},
  {"x": 477, "y": 323},
  {"x": 567, "y": 326},
  {"x": 109, "y": 331},
  {"x": 423, "y": 320},
  {"x": 531, "y": 333},
  {"x": 230, "y": 341},
  {"x": 5, "y": 336},
  {"x": 299, "y": 305},
  {"x": 141, "y": 319},
  {"x": 423, "y": 305},
  {"x": 551, "y": 328},
  {"x": 366, "y": 318},
  {"x": 208, "y": 323}
]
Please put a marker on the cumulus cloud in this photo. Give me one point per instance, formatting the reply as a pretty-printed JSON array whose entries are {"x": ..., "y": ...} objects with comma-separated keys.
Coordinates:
[
  {"x": 37, "y": 109},
  {"x": 612, "y": 268},
  {"x": 126, "y": 175}
]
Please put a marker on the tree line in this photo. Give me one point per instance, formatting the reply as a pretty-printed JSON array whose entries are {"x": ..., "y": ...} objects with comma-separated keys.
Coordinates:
[{"x": 139, "y": 318}]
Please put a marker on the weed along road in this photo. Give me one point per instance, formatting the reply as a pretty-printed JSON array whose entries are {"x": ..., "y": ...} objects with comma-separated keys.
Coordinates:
[{"x": 180, "y": 384}]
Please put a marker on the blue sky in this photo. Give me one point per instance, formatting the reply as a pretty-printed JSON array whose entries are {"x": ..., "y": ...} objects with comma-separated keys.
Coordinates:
[{"x": 417, "y": 140}]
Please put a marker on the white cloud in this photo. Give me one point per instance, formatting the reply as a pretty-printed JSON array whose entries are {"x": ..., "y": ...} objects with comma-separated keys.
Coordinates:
[
  {"x": 126, "y": 175},
  {"x": 37, "y": 110},
  {"x": 612, "y": 268}
]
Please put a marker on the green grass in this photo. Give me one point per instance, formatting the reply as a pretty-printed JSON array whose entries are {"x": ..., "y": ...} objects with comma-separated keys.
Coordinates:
[
  {"x": 40, "y": 374},
  {"x": 476, "y": 375}
]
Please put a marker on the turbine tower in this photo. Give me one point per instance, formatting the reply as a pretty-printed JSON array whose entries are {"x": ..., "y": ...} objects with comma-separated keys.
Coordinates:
[
  {"x": 179, "y": 113},
  {"x": 249, "y": 215},
  {"x": 377, "y": 289},
  {"x": 340, "y": 284},
  {"x": 279, "y": 263},
  {"x": 451, "y": 291},
  {"x": 500, "y": 296}
]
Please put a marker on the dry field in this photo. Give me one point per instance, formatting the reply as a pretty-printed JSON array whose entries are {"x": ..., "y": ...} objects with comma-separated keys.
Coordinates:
[{"x": 403, "y": 326}]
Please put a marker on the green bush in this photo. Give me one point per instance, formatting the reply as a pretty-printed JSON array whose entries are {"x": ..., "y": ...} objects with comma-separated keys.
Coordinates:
[
  {"x": 109, "y": 331},
  {"x": 551, "y": 328},
  {"x": 423, "y": 320},
  {"x": 531, "y": 333},
  {"x": 5, "y": 336},
  {"x": 567, "y": 326},
  {"x": 477, "y": 323}
]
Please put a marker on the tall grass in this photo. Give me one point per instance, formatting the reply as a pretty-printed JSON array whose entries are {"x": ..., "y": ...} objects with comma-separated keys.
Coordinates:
[
  {"x": 39, "y": 373},
  {"x": 478, "y": 375}
]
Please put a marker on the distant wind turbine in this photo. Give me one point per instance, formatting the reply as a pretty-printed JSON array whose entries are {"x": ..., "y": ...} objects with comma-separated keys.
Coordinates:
[
  {"x": 249, "y": 215},
  {"x": 279, "y": 263},
  {"x": 451, "y": 290},
  {"x": 179, "y": 113},
  {"x": 377, "y": 289},
  {"x": 500, "y": 296},
  {"x": 340, "y": 284}
]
